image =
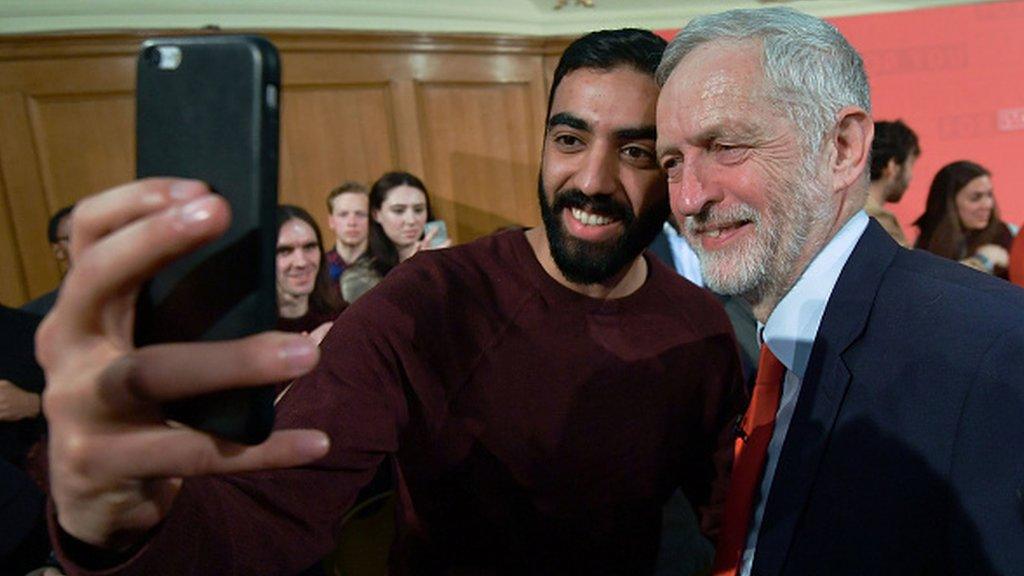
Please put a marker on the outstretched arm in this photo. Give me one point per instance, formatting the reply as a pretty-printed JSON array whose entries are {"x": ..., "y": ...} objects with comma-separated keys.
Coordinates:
[{"x": 116, "y": 466}]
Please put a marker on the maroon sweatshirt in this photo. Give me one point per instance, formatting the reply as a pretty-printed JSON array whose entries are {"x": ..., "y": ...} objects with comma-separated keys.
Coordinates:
[{"x": 533, "y": 430}]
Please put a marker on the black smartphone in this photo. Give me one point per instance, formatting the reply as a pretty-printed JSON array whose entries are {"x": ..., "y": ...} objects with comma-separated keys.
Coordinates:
[{"x": 207, "y": 108}]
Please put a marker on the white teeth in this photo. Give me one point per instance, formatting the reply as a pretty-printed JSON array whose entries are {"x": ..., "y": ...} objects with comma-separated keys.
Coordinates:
[
  {"x": 588, "y": 219},
  {"x": 714, "y": 233}
]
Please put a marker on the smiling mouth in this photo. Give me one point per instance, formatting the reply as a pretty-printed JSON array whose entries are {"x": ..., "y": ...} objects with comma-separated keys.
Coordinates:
[
  {"x": 716, "y": 231},
  {"x": 591, "y": 219}
]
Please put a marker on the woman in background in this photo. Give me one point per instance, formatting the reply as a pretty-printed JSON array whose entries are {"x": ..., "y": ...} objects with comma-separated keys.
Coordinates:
[
  {"x": 961, "y": 220},
  {"x": 399, "y": 211},
  {"x": 306, "y": 301}
]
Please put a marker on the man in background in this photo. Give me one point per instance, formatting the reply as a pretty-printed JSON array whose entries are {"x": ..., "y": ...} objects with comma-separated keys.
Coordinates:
[
  {"x": 893, "y": 153},
  {"x": 348, "y": 208},
  {"x": 58, "y": 232}
]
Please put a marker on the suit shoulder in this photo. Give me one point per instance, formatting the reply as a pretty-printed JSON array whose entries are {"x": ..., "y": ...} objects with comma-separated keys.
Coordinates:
[{"x": 930, "y": 281}]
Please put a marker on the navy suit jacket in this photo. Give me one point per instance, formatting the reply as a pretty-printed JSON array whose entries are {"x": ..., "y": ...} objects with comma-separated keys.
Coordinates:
[{"x": 905, "y": 454}]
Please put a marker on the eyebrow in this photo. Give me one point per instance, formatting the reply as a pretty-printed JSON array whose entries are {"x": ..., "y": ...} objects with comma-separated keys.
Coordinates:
[
  {"x": 567, "y": 119},
  {"x": 640, "y": 133},
  {"x": 728, "y": 131},
  {"x": 648, "y": 132}
]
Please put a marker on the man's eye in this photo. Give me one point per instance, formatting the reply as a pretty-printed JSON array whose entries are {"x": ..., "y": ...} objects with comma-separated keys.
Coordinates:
[
  {"x": 728, "y": 154},
  {"x": 567, "y": 141},
  {"x": 639, "y": 156},
  {"x": 636, "y": 152}
]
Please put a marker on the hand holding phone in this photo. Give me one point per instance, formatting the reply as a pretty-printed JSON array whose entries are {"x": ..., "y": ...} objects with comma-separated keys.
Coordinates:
[
  {"x": 115, "y": 464},
  {"x": 435, "y": 235}
]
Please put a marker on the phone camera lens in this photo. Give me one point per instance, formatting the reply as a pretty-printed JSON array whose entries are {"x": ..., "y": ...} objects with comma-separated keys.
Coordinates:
[{"x": 151, "y": 56}]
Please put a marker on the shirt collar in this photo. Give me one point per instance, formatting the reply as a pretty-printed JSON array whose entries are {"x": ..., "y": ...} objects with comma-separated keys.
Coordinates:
[
  {"x": 685, "y": 260},
  {"x": 793, "y": 325}
]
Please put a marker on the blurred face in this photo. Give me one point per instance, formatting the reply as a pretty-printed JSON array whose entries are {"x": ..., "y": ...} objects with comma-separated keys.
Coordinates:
[
  {"x": 298, "y": 259},
  {"x": 350, "y": 218},
  {"x": 402, "y": 215},
  {"x": 602, "y": 195},
  {"x": 739, "y": 181},
  {"x": 975, "y": 203},
  {"x": 62, "y": 247},
  {"x": 902, "y": 180}
]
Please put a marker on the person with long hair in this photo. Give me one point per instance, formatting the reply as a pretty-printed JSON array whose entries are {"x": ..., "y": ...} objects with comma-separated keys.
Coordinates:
[
  {"x": 399, "y": 211},
  {"x": 306, "y": 300},
  {"x": 961, "y": 220}
]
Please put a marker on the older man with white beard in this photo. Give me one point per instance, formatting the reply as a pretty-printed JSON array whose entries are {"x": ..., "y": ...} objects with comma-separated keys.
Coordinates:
[{"x": 867, "y": 449}]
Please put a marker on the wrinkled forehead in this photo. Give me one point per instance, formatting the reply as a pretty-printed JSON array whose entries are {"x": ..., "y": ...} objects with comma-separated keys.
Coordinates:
[
  {"x": 721, "y": 68},
  {"x": 720, "y": 82}
]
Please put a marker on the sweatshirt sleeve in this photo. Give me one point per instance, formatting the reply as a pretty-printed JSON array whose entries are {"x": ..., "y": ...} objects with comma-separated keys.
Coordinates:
[{"x": 283, "y": 521}]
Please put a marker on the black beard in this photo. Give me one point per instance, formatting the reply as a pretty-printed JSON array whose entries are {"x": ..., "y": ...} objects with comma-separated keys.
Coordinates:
[{"x": 584, "y": 262}]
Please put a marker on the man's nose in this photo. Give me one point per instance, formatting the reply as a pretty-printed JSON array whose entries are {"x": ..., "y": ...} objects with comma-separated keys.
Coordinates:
[
  {"x": 598, "y": 173},
  {"x": 302, "y": 259},
  {"x": 689, "y": 190}
]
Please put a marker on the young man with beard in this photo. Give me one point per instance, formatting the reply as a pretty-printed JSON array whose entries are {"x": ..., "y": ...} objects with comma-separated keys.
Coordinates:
[
  {"x": 885, "y": 427},
  {"x": 893, "y": 153},
  {"x": 539, "y": 393}
]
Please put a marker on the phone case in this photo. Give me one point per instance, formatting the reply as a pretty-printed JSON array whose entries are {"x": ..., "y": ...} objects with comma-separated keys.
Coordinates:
[{"x": 207, "y": 108}]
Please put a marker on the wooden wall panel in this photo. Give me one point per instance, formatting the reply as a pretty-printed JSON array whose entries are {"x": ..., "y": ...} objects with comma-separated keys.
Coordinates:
[
  {"x": 484, "y": 144},
  {"x": 464, "y": 112},
  {"x": 330, "y": 134},
  {"x": 26, "y": 198},
  {"x": 66, "y": 131},
  {"x": 85, "y": 142},
  {"x": 13, "y": 287}
]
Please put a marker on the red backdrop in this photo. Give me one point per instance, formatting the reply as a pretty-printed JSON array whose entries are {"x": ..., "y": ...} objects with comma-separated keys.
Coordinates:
[{"x": 956, "y": 76}]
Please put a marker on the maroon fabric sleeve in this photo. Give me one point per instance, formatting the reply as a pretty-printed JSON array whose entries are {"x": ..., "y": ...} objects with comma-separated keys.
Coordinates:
[{"x": 282, "y": 521}]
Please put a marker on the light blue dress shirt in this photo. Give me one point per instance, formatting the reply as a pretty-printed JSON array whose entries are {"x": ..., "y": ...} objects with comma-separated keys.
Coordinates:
[
  {"x": 683, "y": 257},
  {"x": 789, "y": 333}
]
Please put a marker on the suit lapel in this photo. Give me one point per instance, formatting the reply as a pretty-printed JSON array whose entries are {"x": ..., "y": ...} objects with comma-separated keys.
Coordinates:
[{"x": 821, "y": 395}]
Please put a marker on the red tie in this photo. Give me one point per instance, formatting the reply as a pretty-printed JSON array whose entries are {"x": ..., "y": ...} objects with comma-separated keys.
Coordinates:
[{"x": 749, "y": 454}]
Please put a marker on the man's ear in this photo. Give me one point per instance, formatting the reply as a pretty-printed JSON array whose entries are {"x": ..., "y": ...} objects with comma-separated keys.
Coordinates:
[
  {"x": 851, "y": 143},
  {"x": 891, "y": 169}
]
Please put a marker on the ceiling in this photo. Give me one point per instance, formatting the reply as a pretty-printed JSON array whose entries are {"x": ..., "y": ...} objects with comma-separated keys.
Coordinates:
[{"x": 530, "y": 17}]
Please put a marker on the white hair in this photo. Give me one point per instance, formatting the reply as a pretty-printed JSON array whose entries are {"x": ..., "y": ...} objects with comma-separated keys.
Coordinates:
[{"x": 811, "y": 71}]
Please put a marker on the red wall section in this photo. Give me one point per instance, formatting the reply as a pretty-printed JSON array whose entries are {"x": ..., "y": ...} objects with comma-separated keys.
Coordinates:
[{"x": 956, "y": 76}]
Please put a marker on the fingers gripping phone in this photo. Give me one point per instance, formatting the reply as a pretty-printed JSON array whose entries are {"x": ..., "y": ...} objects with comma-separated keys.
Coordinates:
[
  {"x": 440, "y": 236},
  {"x": 207, "y": 108}
]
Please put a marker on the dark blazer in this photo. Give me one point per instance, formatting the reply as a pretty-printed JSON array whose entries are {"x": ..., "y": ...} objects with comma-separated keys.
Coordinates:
[{"x": 905, "y": 454}]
